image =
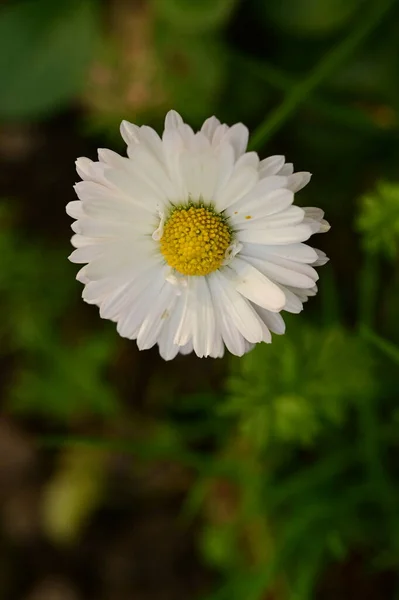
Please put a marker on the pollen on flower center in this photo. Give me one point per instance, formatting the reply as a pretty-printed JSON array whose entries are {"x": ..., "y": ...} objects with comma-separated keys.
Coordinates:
[{"x": 195, "y": 240}]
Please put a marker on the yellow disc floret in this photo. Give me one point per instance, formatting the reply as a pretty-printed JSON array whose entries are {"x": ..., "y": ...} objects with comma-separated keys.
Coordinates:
[{"x": 195, "y": 240}]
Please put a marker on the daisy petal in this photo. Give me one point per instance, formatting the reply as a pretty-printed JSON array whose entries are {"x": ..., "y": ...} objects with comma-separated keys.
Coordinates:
[{"x": 257, "y": 288}]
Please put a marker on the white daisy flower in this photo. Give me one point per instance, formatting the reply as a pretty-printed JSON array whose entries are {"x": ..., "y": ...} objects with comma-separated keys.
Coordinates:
[{"x": 191, "y": 242}]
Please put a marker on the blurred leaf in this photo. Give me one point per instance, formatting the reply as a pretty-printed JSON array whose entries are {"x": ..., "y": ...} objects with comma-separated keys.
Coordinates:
[
  {"x": 73, "y": 493},
  {"x": 195, "y": 16},
  {"x": 193, "y": 72},
  {"x": 218, "y": 546},
  {"x": 310, "y": 17},
  {"x": 329, "y": 63},
  {"x": 45, "y": 49},
  {"x": 64, "y": 381},
  {"x": 291, "y": 390},
  {"x": 389, "y": 349},
  {"x": 378, "y": 220}
]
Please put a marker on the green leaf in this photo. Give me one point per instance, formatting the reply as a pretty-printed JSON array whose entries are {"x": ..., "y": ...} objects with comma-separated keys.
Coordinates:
[
  {"x": 45, "y": 50},
  {"x": 195, "y": 16}
]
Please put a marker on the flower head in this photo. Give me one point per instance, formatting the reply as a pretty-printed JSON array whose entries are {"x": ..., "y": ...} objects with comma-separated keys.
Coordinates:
[{"x": 191, "y": 242}]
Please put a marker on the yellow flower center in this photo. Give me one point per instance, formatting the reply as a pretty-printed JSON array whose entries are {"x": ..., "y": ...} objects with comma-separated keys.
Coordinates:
[{"x": 195, "y": 240}]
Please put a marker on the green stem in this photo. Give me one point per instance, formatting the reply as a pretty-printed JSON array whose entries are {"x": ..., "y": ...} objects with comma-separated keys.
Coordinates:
[
  {"x": 331, "y": 61},
  {"x": 348, "y": 116}
]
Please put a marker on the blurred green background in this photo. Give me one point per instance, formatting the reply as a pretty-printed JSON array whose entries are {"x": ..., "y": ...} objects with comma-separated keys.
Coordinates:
[{"x": 270, "y": 477}]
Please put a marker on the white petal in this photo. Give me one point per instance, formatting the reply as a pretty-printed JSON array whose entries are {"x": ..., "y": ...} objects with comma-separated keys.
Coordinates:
[
  {"x": 297, "y": 252},
  {"x": 297, "y": 181},
  {"x": 238, "y": 138},
  {"x": 167, "y": 348},
  {"x": 249, "y": 159},
  {"x": 293, "y": 303},
  {"x": 137, "y": 303},
  {"x": 293, "y": 215},
  {"x": 151, "y": 141},
  {"x": 209, "y": 127},
  {"x": 287, "y": 169},
  {"x": 267, "y": 197},
  {"x": 204, "y": 317},
  {"x": 271, "y": 166},
  {"x": 322, "y": 258},
  {"x": 312, "y": 212},
  {"x": 224, "y": 156},
  {"x": 231, "y": 336},
  {"x": 173, "y": 120},
  {"x": 285, "y": 235},
  {"x": 199, "y": 174},
  {"x": 75, "y": 209},
  {"x": 111, "y": 158},
  {"x": 83, "y": 167},
  {"x": 239, "y": 314},
  {"x": 219, "y": 135},
  {"x": 186, "y": 349},
  {"x": 160, "y": 310},
  {"x": 96, "y": 292},
  {"x": 86, "y": 254},
  {"x": 239, "y": 184},
  {"x": 129, "y": 132},
  {"x": 274, "y": 321},
  {"x": 287, "y": 273},
  {"x": 136, "y": 188},
  {"x": 257, "y": 288}
]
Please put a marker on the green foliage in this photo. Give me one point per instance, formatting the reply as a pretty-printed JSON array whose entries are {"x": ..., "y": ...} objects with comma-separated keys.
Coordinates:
[
  {"x": 310, "y": 17},
  {"x": 195, "y": 16},
  {"x": 58, "y": 371},
  {"x": 378, "y": 220},
  {"x": 193, "y": 71},
  {"x": 45, "y": 50},
  {"x": 291, "y": 390},
  {"x": 291, "y": 459}
]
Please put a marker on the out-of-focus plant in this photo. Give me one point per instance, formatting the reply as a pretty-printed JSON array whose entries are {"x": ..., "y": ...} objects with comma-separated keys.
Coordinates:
[
  {"x": 194, "y": 16},
  {"x": 55, "y": 370},
  {"x": 378, "y": 220},
  {"x": 45, "y": 50},
  {"x": 310, "y": 17},
  {"x": 290, "y": 391}
]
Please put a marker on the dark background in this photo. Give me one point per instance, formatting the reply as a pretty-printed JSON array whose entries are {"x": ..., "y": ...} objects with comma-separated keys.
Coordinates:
[{"x": 271, "y": 477}]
